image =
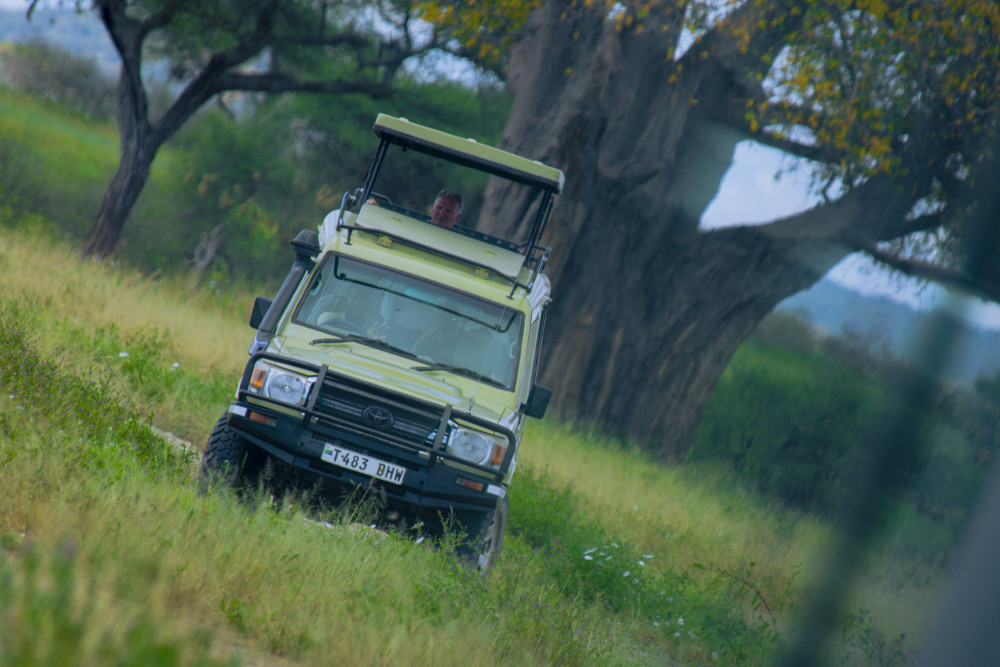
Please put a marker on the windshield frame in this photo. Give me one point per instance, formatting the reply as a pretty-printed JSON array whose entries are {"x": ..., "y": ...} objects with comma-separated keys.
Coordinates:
[{"x": 479, "y": 324}]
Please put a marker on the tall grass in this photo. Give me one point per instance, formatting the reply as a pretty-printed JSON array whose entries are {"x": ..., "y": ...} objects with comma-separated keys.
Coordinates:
[
  {"x": 610, "y": 557},
  {"x": 181, "y": 352},
  {"x": 107, "y": 554},
  {"x": 108, "y": 546}
]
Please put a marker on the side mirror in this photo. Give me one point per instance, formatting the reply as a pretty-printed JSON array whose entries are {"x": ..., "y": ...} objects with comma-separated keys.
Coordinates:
[
  {"x": 538, "y": 402},
  {"x": 260, "y": 307},
  {"x": 306, "y": 244}
]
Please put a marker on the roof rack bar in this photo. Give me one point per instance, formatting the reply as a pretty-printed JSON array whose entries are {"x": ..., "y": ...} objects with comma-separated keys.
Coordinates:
[
  {"x": 376, "y": 166},
  {"x": 469, "y": 153}
]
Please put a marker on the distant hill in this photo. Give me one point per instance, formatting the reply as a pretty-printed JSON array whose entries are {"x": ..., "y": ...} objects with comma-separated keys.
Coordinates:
[{"x": 880, "y": 320}]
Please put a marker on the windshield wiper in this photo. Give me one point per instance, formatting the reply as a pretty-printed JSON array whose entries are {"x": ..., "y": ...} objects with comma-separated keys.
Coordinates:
[
  {"x": 458, "y": 370},
  {"x": 341, "y": 338},
  {"x": 366, "y": 340}
]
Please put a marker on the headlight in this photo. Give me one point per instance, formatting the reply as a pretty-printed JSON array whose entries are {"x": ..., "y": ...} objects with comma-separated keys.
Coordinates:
[
  {"x": 278, "y": 383},
  {"x": 477, "y": 447}
]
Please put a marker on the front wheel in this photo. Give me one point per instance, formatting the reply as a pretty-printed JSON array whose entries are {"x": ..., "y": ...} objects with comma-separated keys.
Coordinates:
[
  {"x": 225, "y": 461},
  {"x": 484, "y": 536}
]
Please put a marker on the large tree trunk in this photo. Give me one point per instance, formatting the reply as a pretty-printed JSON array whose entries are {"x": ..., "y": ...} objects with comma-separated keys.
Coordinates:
[
  {"x": 648, "y": 309},
  {"x": 123, "y": 192},
  {"x": 138, "y": 143}
]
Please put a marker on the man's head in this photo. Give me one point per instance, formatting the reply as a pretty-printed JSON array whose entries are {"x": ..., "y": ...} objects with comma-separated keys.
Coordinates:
[{"x": 447, "y": 209}]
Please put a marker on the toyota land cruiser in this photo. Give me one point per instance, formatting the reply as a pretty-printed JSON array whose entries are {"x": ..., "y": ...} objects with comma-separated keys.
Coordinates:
[{"x": 399, "y": 357}]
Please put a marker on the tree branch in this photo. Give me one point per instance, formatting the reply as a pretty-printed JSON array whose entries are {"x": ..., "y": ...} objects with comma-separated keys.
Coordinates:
[
  {"x": 957, "y": 278},
  {"x": 741, "y": 50},
  {"x": 814, "y": 152},
  {"x": 201, "y": 88},
  {"x": 876, "y": 210},
  {"x": 272, "y": 82}
]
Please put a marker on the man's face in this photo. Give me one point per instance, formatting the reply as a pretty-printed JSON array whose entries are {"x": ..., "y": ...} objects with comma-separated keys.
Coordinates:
[{"x": 445, "y": 211}]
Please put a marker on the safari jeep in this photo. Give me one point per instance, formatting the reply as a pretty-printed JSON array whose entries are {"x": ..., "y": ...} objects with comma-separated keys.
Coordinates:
[{"x": 398, "y": 358}]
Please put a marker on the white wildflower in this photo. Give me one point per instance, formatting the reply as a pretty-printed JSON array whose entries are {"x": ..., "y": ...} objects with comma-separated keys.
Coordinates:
[
  {"x": 625, "y": 573},
  {"x": 123, "y": 354}
]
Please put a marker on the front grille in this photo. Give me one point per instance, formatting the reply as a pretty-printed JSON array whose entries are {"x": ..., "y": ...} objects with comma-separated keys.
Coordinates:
[{"x": 359, "y": 412}]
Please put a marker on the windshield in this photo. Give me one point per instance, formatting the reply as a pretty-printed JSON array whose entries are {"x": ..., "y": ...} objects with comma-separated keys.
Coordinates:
[{"x": 444, "y": 329}]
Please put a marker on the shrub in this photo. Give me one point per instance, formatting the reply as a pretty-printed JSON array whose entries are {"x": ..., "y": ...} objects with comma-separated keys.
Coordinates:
[{"x": 48, "y": 72}]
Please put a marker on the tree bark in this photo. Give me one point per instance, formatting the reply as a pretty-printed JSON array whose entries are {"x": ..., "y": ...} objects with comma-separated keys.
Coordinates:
[
  {"x": 648, "y": 309},
  {"x": 120, "y": 197}
]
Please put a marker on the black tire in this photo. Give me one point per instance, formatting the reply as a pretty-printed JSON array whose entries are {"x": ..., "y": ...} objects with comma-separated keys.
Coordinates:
[
  {"x": 224, "y": 461},
  {"x": 484, "y": 536}
]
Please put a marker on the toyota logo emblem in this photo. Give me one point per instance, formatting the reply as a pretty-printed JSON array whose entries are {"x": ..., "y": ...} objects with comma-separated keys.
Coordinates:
[{"x": 377, "y": 417}]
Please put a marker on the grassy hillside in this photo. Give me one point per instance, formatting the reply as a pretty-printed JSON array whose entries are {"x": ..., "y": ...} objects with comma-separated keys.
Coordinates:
[
  {"x": 108, "y": 551},
  {"x": 108, "y": 554}
]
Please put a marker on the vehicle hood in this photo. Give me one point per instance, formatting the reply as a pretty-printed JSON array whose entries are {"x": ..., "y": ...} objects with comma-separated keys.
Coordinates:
[{"x": 395, "y": 372}]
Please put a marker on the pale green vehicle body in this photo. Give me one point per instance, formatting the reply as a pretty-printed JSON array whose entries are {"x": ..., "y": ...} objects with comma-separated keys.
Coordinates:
[
  {"x": 321, "y": 393},
  {"x": 386, "y": 368}
]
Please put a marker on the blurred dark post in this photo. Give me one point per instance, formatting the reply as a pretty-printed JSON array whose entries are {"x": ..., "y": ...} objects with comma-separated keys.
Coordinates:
[
  {"x": 967, "y": 626},
  {"x": 965, "y": 629}
]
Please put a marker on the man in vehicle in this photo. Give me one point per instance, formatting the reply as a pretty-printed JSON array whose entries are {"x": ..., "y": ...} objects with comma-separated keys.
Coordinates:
[{"x": 447, "y": 209}]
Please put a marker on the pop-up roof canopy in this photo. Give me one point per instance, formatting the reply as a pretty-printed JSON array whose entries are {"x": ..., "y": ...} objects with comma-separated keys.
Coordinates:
[
  {"x": 512, "y": 257},
  {"x": 468, "y": 152}
]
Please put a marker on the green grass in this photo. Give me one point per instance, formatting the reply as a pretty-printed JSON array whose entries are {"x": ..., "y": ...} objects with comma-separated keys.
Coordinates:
[
  {"x": 610, "y": 557},
  {"x": 109, "y": 555}
]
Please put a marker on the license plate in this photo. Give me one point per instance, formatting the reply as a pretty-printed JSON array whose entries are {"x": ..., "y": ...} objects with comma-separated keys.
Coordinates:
[{"x": 367, "y": 465}]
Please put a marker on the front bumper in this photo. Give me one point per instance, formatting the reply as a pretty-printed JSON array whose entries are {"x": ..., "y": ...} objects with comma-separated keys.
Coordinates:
[{"x": 334, "y": 414}]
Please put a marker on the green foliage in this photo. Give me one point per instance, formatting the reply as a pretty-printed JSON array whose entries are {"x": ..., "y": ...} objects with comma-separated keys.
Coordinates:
[
  {"x": 785, "y": 420},
  {"x": 863, "y": 641},
  {"x": 789, "y": 413},
  {"x": 51, "y": 151},
  {"x": 745, "y": 589},
  {"x": 487, "y": 30},
  {"x": 864, "y": 73},
  {"x": 18, "y": 191},
  {"x": 232, "y": 189},
  {"x": 47, "y": 72}
]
